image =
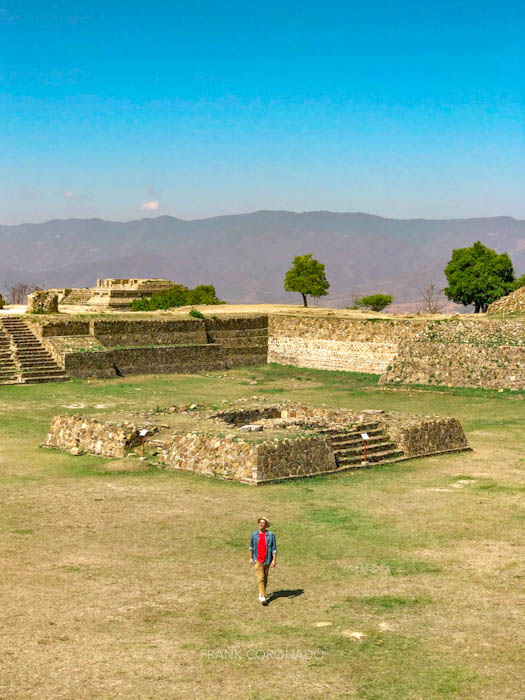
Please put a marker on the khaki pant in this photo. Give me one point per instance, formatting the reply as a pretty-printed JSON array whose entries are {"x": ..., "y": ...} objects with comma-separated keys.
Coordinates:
[{"x": 262, "y": 576}]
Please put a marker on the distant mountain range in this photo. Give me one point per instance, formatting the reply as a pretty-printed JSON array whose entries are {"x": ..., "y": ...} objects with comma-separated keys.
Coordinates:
[{"x": 246, "y": 256}]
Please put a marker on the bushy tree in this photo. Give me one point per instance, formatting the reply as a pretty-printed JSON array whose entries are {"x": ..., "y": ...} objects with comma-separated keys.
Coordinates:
[
  {"x": 518, "y": 283},
  {"x": 307, "y": 277},
  {"x": 376, "y": 302},
  {"x": 478, "y": 275},
  {"x": 177, "y": 296}
]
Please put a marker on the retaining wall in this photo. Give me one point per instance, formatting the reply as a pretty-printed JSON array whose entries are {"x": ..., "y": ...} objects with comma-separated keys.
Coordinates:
[
  {"x": 146, "y": 332},
  {"x": 96, "y": 348},
  {"x": 91, "y": 435},
  {"x": 420, "y": 437},
  {"x": 463, "y": 353},
  {"x": 351, "y": 345},
  {"x": 176, "y": 359}
]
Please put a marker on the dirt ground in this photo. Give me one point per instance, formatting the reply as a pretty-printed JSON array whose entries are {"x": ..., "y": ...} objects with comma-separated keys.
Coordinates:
[{"x": 403, "y": 582}]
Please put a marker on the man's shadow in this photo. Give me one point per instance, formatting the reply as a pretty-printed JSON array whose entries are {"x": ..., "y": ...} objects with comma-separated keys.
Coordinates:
[{"x": 284, "y": 594}]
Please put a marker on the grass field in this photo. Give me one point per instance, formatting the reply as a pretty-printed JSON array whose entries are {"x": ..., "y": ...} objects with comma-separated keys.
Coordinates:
[{"x": 401, "y": 582}]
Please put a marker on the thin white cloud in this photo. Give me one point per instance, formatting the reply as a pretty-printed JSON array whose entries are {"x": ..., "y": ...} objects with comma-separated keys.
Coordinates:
[
  {"x": 69, "y": 194},
  {"x": 150, "y": 206}
]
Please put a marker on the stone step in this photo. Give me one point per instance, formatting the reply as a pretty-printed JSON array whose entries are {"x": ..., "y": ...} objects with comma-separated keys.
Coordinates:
[
  {"x": 386, "y": 456},
  {"x": 38, "y": 353},
  {"x": 370, "y": 449},
  {"x": 32, "y": 369},
  {"x": 36, "y": 364},
  {"x": 26, "y": 371},
  {"x": 43, "y": 379},
  {"x": 353, "y": 428},
  {"x": 358, "y": 440},
  {"x": 352, "y": 433},
  {"x": 29, "y": 342},
  {"x": 38, "y": 358},
  {"x": 26, "y": 340}
]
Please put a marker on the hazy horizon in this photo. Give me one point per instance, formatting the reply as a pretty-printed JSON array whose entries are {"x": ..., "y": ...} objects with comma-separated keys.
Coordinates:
[{"x": 259, "y": 211}]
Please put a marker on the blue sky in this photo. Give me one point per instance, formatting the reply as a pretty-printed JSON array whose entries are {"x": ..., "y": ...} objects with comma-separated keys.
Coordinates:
[{"x": 123, "y": 109}]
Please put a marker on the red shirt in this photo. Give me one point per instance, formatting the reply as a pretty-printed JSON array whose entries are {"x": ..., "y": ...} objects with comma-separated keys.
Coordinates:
[{"x": 261, "y": 547}]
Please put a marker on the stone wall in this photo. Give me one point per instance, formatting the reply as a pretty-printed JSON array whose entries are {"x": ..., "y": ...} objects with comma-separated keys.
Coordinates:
[
  {"x": 463, "y": 353},
  {"x": 228, "y": 458},
  {"x": 42, "y": 302},
  {"x": 419, "y": 437},
  {"x": 50, "y": 328},
  {"x": 348, "y": 344},
  {"x": 93, "y": 436},
  {"x": 182, "y": 359},
  {"x": 293, "y": 457},
  {"x": 252, "y": 463},
  {"x": 125, "y": 333},
  {"x": 96, "y": 348},
  {"x": 512, "y": 303}
]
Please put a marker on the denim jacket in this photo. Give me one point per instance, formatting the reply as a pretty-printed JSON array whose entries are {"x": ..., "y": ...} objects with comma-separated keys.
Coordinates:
[{"x": 271, "y": 545}]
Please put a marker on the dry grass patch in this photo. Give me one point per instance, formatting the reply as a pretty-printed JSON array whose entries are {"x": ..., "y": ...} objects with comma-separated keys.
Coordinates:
[{"x": 124, "y": 584}]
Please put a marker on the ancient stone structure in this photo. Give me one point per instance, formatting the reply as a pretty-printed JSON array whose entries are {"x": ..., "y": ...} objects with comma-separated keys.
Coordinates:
[
  {"x": 93, "y": 436},
  {"x": 23, "y": 357},
  {"x": 249, "y": 462},
  {"x": 42, "y": 302},
  {"x": 348, "y": 344},
  {"x": 103, "y": 348},
  {"x": 114, "y": 293},
  {"x": 512, "y": 303},
  {"x": 462, "y": 352},
  {"x": 459, "y": 351},
  {"x": 264, "y": 442}
]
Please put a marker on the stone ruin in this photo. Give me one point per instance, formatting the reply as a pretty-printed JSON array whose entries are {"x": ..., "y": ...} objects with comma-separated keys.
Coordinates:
[
  {"x": 114, "y": 293},
  {"x": 512, "y": 303},
  {"x": 42, "y": 302},
  {"x": 262, "y": 442}
]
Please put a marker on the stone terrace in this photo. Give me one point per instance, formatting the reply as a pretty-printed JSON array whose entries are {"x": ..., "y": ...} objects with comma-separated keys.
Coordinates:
[{"x": 262, "y": 442}]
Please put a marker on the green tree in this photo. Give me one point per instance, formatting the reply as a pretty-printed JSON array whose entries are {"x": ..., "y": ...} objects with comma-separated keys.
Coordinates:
[
  {"x": 376, "y": 302},
  {"x": 178, "y": 295},
  {"x": 478, "y": 275},
  {"x": 306, "y": 276},
  {"x": 519, "y": 283}
]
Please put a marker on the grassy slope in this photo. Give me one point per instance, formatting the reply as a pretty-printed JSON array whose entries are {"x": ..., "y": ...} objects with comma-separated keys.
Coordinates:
[{"x": 136, "y": 584}]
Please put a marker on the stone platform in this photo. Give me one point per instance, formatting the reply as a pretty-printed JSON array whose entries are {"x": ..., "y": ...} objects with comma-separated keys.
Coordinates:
[{"x": 260, "y": 443}]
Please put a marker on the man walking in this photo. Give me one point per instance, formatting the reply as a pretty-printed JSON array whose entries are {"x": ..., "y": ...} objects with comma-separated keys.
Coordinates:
[{"x": 263, "y": 553}]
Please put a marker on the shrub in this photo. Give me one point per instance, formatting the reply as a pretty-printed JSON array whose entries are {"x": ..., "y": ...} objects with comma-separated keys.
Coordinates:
[
  {"x": 177, "y": 296},
  {"x": 196, "y": 314},
  {"x": 377, "y": 302}
]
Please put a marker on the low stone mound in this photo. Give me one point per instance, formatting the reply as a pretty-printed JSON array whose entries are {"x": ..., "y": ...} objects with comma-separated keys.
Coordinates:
[
  {"x": 290, "y": 440},
  {"x": 513, "y": 302}
]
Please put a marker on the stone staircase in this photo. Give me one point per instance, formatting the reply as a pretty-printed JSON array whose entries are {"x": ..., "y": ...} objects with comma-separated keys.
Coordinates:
[
  {"x": 348, "y": 446},
  {"x": 78, "y": 297},
  {"x": 23, "y": 358},
  {"x": 8, "y": 367}
]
